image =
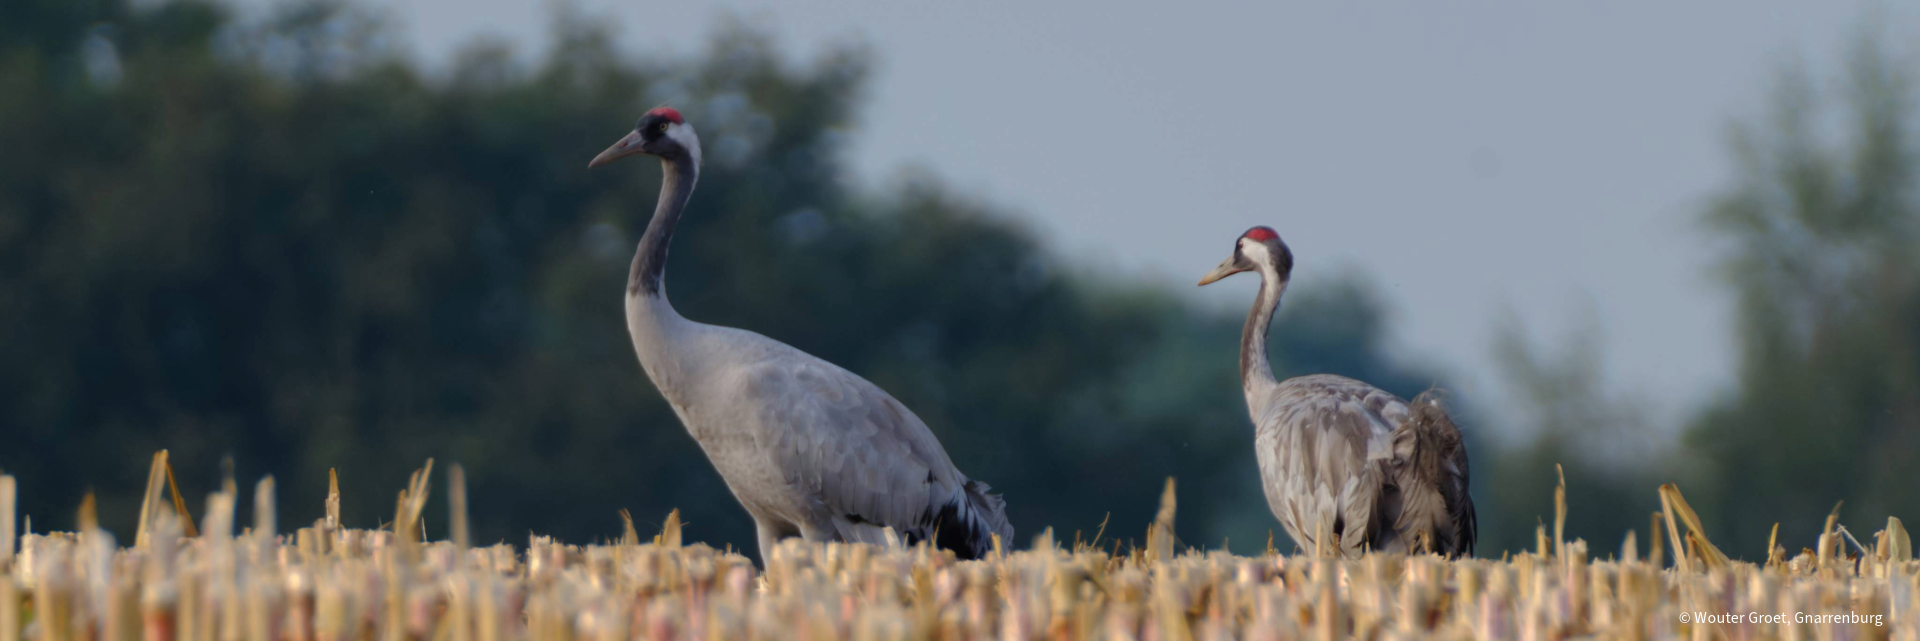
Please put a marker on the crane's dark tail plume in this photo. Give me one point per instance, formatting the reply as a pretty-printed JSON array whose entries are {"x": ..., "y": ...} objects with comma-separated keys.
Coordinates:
[
  {"x": 1429, "y": 471},
  {"x": 967, "y": 523}
]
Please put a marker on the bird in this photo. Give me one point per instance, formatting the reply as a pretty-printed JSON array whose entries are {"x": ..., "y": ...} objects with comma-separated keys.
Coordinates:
[
  {"x": 1344, "y": 464},
  {"x": 808, "y": 448}
]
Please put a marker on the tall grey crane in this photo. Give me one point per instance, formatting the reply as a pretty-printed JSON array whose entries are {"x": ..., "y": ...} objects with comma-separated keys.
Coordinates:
[
  {"x": 809, "y": 449},
  {"x": 1340, "y": 458}
]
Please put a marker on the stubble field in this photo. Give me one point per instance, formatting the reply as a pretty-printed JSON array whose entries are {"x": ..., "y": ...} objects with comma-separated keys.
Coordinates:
[{"x": 194, "y": 579}]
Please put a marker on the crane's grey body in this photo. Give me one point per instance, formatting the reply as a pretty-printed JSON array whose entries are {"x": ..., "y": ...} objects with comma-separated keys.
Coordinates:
[
  {"x": 808, "y": 448},
  {"x": 1339, "y": 458},
  {"x": 1322, "y": 442}
]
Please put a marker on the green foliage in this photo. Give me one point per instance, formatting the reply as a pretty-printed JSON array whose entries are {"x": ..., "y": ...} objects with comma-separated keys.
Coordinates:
[
  {"x": 281, "y": 244},
  {"x": 1818, "y": 233},
  {"x": 1604, "y": 444},
  {"x": 1820, "y": 250}
]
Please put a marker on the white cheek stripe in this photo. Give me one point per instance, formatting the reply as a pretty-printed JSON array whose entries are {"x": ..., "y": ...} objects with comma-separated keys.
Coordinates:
[
  {"x": 683, "y": 133},
  {"x": 1255, "y": 252}
]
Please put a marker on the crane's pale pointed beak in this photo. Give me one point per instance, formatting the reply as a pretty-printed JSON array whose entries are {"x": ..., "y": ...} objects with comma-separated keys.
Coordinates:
[
  {"x": 628, "y": 145},
  {"x": 1226, "y": 268}
]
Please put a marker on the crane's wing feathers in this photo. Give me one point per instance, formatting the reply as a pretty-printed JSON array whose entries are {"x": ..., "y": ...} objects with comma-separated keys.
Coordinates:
[
  {"x": 1320, "y": 440},
  {"x": 1465, "y": 530},
  {"x": 1460, "y": 502},
  {"x": 868, "y": 460}
]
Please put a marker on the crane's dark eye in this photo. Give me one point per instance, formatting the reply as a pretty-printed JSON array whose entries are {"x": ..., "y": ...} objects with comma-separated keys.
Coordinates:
[{"x": 663, "y": 127}]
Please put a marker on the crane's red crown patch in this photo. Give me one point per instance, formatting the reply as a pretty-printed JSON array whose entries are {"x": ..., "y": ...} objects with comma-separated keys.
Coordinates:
[
  {"x": 669, "y": 113},
  {"x": 1261, "y": 233}
]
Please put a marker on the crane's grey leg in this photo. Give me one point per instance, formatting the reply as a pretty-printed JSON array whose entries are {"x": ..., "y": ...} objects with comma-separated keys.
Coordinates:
[{"x": 770, "y": 535}]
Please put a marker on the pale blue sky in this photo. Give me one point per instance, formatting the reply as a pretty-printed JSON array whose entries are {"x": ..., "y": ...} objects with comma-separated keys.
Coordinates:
[{"x": 1466, "y": 156}]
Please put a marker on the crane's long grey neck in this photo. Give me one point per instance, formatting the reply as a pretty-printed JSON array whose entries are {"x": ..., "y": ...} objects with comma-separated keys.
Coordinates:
[
  {"x": 1255, "y": 371},
  {"x": 678, "y": 175}
]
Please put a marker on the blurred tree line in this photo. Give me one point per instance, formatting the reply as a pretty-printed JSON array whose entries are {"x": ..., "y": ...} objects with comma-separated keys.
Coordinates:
[
  {"x": 1821, "y": 247},
  {"x": 1818, "y": 236},
  {"x": 280, "y": 242}
]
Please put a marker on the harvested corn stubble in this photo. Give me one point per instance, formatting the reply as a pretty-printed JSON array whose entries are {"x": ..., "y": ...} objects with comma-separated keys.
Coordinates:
[{"x": 334, "y": 583}]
